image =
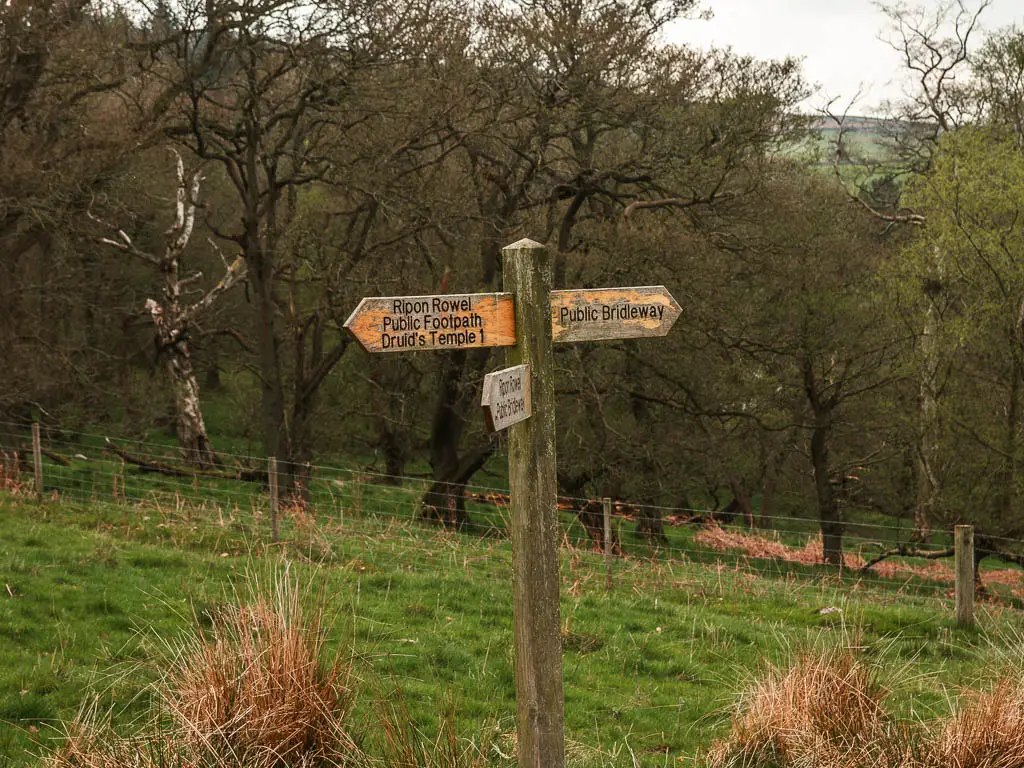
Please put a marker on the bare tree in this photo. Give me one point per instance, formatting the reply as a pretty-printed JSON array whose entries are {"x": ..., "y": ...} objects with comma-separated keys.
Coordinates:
[
  {"x": 268, "y": 90},
  {"x": 175, "y": 320}
]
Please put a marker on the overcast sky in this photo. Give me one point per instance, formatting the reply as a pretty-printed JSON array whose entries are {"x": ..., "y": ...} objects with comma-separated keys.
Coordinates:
[{"x": 839, "y": 40}]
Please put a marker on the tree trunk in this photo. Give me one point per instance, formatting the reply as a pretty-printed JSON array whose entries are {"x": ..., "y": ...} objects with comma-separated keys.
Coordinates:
[
  {"x": 650, "y": 526},
  {"x": 193, "y": 441},
  {"x": 828, "y": 508},
  {"x": 1008, "y": 497},
  {"x": 928, "y": 431},
  {"x": 173, "y": 322},
  {"x": 275, "y": 441},
  {"x": 391, "y": 444},
  {"x": 742, "y": 497},
  {"x": 444, "y": 501}
]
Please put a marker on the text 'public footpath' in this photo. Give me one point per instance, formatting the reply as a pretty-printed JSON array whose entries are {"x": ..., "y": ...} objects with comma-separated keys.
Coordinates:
[{"x": 434, "y": 321}]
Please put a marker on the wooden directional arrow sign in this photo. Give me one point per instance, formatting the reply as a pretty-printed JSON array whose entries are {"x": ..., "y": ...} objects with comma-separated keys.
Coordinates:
[
  {"x": 450, "y": 321},
  {"x": 506, "y": 397},
  {"x": 612, "y": 313}
]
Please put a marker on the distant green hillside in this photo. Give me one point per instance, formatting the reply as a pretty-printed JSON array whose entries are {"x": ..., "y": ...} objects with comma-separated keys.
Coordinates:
[{"x": 866, "y": 140}]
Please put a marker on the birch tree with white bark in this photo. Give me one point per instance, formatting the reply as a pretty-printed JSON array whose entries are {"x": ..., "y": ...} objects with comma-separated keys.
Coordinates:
[{"x": 174, "y": 317}]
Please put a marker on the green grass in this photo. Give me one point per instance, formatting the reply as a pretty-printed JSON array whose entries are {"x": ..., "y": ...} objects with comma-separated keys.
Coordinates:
[
  {"x": 93, "y": 592},
  {"x": 337, "y": 492}
]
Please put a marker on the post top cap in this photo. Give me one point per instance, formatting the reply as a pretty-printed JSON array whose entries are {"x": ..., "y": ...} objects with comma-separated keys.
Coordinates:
[{"x": 524, "y": 243}]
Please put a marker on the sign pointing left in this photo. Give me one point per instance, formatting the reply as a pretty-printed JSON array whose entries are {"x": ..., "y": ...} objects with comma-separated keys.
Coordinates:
[{"x": 446, "y": 321}]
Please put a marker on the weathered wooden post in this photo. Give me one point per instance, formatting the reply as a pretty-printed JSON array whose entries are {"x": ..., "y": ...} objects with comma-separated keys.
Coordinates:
[
  {"x": 521, "y": 398},
  {"x": 529, "y": 274},
  {"x": 37, "y": 459},
  {"x": 963, "y": 545},
  {"x": 274, "y": 499},
  {"x": 607, "y": 504}
]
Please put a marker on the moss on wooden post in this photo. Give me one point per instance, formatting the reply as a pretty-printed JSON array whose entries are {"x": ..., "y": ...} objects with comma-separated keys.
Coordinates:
[{"x": 528, "y": 275}]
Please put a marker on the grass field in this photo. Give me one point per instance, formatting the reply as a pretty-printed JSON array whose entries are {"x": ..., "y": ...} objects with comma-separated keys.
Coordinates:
[{"x": 94, "y": 592}]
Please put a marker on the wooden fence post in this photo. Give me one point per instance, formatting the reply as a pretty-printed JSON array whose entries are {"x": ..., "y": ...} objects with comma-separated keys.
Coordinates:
[
  {"x": 272, "y": 477},
  {"x": 37, "y": 459},
  {"x": 963, "y": 544},
  {"x": 607, "y": 504},
  {"x": 528, "y": 274}
]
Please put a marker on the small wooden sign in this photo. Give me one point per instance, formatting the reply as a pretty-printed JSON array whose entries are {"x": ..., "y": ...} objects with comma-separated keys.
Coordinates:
[
  {"x": 612, "y": 313},
  {"x": 448, "y": 321},
  {"x": 506, "y": 397}
]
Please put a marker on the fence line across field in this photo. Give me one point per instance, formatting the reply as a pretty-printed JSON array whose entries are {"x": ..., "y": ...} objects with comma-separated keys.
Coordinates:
[
  {"x": 424, "y": 555},
  {"x": 490, "y": 494},
  {"x": 347, "y": 491},
  {"x": 166, "y": 451},
  {"x": 581, "y": 556}
]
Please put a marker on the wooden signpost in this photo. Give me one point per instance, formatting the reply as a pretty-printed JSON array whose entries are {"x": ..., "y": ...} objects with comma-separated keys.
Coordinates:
[
  {"x": 527, "y": 320},
  {"x": 506, "y": 397},
  {"x": 448, "y": 321},
  {"x": 597, "y": 314}
]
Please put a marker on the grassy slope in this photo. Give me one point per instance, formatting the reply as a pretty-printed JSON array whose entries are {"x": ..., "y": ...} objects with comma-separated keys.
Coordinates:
[{"x": 95, "y": 590}]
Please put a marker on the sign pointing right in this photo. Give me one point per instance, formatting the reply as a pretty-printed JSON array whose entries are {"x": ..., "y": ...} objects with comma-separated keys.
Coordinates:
[{"x": 612, "y": 313}]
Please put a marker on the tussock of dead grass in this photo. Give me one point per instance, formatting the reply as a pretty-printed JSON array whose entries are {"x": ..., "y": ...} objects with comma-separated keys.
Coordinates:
[
  {"x": 90, "y": 748},
  {"x": 825, "y": 710},
  {"x": 257, "y": 690},
  {"x": 259, "y": 686},
  {"x": 986, "y": 732}
]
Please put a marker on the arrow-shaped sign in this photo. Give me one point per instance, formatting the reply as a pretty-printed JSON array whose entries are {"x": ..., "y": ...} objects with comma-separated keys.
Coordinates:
[
  {"x": 612, "y": 313},
  {"x": 448, "y": 321},
  {"x": 506, "y": 397}
]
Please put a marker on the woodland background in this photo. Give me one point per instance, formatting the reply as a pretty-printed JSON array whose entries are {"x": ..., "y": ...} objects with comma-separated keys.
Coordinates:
[{"x": 195, "y": 196}]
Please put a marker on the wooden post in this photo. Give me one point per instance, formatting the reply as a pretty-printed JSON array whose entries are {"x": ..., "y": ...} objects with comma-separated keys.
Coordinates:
[
  {"x": 607, "y": 504},
  {"x": 37, "y": 459},
  {"x": 963, "y": 544},
  {"x": 272, "y": 477},
  {"x": 528, "y": 275}
]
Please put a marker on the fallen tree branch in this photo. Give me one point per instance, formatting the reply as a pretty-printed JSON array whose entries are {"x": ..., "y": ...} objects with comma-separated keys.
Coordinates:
[
  {"x": 245, "y": 474},
  {"x": 56, "y": 458},
  {"x": 907, "y": 550}
]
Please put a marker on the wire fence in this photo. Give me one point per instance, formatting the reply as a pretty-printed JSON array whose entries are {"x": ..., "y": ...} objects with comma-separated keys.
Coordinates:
[
  {"x": 374, "y": 525},
  {"x": 142, "y": 490}
]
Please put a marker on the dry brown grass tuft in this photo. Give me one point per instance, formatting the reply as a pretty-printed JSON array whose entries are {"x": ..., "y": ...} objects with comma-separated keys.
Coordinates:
[
  {"x": 259, "y": 688},
  {"x": 986, "y": 732},
  {"x": 826, "y": 710},
  {"x": 89, "y": 742},
  {"x": 94, "y": 749}
]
